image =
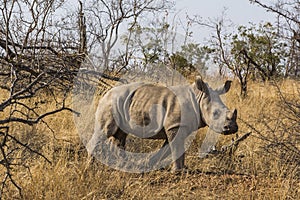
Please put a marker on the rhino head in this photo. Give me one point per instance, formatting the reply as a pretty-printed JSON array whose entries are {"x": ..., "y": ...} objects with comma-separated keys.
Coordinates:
[{"x": 214, "y": 112}]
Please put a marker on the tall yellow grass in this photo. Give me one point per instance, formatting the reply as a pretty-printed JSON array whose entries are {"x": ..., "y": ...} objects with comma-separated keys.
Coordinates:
[{"x": 251, "y": 173}]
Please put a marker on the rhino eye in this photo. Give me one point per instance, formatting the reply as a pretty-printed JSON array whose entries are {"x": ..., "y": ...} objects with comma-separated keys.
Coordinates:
[{"x": 216, "y": 114}]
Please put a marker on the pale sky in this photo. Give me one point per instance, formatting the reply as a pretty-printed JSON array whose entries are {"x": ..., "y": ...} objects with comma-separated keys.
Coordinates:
[{"x": 240, "y": 12}]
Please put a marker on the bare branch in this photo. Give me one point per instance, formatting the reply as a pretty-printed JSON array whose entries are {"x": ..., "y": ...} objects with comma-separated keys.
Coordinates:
[{"x": 277, "y": 11}]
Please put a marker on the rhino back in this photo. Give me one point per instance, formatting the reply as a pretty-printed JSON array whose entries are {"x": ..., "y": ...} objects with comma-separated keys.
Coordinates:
[{"x": 155, "y": 103}]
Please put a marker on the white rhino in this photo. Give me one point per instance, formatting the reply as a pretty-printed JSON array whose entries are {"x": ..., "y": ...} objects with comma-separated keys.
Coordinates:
[{"x": 157, "y": 112}]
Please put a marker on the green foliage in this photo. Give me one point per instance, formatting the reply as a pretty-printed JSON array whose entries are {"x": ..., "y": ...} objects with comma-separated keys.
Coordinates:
[
  {"x": 146, "y": 44},
  {"x": 256, "y": 52},
  {"x": 260, "y": 49},
  {"x": 151, "y": 46},
  {"x": 181, "y": 64},
  {"x": 191, "y": 57}
]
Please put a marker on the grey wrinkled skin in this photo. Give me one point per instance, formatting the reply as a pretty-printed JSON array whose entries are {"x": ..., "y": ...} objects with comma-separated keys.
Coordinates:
[{"x": 157, "y": 112}]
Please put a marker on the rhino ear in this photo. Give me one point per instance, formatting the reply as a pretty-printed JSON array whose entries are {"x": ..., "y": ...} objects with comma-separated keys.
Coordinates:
[
  {"x": 225, "y": 88},
  {"x": 201, "y": 85}
]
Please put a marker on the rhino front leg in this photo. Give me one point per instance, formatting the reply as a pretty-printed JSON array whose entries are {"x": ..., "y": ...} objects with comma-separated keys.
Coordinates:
[{"x": 177, "y": 138}]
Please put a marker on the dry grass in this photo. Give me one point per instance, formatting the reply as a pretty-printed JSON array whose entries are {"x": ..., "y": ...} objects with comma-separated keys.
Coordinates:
[{"x": 251, "y": 173}]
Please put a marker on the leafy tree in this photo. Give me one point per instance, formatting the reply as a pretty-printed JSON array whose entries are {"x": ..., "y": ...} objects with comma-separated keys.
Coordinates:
[
  {"x": 181, "y": 64},
  {"x": 254, "y": 51},
  {"x": 153, "y": 45},
  {"x": 260, "y": 50},
  {"x": 288, "y": 30},
  {"x": 196, "y": 55},
  {"x": 147, "y": 44}
]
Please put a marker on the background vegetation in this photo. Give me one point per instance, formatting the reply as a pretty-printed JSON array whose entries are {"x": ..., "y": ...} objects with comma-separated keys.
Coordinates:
[{"x": 43, "y": 46}]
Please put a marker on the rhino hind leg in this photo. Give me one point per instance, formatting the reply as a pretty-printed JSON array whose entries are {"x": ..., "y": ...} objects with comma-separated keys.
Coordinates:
[
  {"x": 116, "y": 145},
  {"x": 119, "y": 139}
]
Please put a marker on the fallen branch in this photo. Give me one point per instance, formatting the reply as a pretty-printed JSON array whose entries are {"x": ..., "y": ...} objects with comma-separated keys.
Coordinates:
[
  {"x": 235, "y": 143},
  {"x": 231, "y": 148}
]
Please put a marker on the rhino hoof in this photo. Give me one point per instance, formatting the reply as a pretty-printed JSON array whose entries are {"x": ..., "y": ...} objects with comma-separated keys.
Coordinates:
[{"x": 178, "y": 171}]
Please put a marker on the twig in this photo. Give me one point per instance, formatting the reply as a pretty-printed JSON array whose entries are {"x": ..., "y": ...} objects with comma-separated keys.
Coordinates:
[{"x": 236, "y": 142}]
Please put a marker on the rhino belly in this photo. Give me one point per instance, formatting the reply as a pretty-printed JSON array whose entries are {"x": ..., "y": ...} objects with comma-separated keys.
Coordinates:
[{"x": 159, "y": 136}]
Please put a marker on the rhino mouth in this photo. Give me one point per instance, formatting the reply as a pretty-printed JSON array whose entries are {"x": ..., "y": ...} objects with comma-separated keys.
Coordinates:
[
  {"x": 230, "y": 130},
  {"x": 225, "y": 130}
]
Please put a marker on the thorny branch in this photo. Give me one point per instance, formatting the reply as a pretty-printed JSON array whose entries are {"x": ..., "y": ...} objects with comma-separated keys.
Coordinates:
[{"x": 36, "y": 69}]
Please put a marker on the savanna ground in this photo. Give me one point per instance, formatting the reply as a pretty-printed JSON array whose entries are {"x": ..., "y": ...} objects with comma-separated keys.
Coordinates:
[{"x": 264, "y": 166}]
